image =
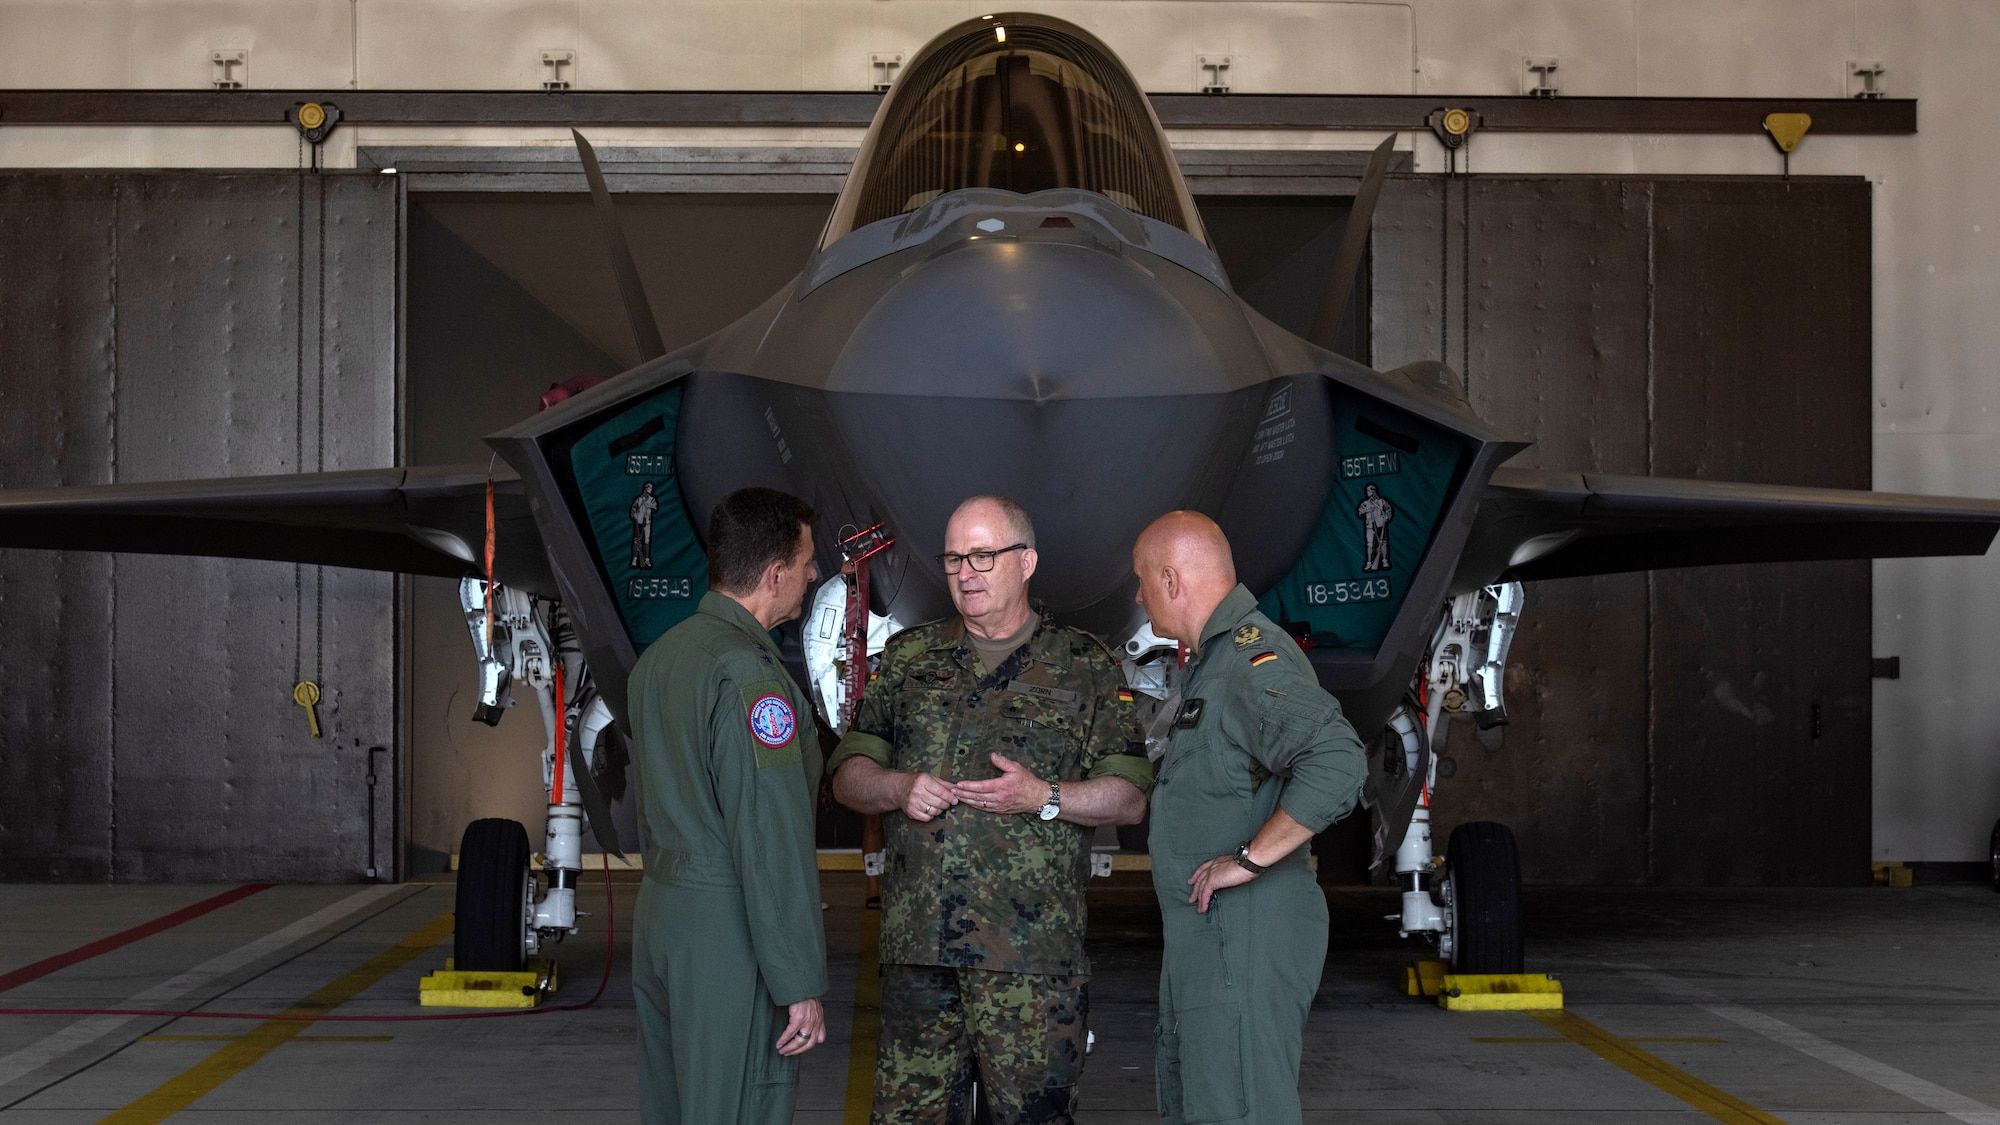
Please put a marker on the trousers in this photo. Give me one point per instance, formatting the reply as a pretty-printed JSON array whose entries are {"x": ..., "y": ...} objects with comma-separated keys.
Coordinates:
[
  {"x": 1020, "y": 1035},
  {"x": 1235, "y": 986},
  {"x": 707, "y": 1025}
]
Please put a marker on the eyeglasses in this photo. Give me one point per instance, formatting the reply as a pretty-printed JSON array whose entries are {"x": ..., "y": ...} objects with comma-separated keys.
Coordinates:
[{"x": 982, "y": 561}]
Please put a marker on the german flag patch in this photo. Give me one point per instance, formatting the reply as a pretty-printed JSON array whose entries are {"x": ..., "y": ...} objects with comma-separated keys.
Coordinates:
[
  {"x": 1262, "y": 658},
  {"x": 1124, "y": 695}
]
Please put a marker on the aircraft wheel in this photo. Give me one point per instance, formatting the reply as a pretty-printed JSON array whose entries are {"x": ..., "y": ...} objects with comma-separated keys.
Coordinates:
[
  {"x": 1996, "y": 855},
  {"x": 1485, "y": 872},
  {"x": 491, "y": 930}
]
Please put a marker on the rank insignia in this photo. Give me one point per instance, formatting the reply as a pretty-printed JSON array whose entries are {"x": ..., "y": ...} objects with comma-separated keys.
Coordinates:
[
  {"x": 1262, "y": 658},
  {"x": 1248, "y": 635},
  {"x": 1189, "y": 716}
]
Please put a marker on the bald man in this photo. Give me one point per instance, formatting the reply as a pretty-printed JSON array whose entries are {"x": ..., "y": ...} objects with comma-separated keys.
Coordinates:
[{"x": 1259, "y": 760}]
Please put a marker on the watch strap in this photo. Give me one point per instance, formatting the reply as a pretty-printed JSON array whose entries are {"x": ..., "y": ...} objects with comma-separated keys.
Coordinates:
[{"x": 1244, "y": 861}]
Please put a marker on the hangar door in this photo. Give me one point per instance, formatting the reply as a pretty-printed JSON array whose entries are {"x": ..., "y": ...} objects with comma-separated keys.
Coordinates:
[
  {"x": 1685, "y": 726},
  {"x": 166, "y": 326}
]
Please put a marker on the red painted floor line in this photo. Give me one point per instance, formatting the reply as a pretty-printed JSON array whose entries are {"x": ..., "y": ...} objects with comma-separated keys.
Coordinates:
[{"x": 48, "y": 965}]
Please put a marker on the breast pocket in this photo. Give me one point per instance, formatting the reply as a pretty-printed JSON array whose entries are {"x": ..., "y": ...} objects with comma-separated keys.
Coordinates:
[
  {"x": 920, "y": 710},
  {"x": 1047, "y": 737},
  {"x": 1200, "y": 804}
]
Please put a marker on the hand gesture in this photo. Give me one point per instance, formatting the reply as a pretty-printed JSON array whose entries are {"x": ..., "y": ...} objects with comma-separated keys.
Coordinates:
[
  {"x": 1014, "y": 791},
  {"x": 927, "y": 798}
]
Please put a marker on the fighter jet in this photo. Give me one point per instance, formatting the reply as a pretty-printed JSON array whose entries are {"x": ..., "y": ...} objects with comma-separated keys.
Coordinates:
[{"x": 1014, "y": 293}]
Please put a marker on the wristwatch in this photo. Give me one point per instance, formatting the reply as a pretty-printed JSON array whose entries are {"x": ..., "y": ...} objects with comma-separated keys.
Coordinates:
[
  {"x": 1244, "y": 861},
  {"x": 1054, "y": 806}
]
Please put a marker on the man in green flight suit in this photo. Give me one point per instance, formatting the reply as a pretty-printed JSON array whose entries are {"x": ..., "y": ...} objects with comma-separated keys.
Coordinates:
[
  {"x": 728, "y": 953},
  {"x": 996, "y": 741},
  {"x": 1259, "y": 760}
]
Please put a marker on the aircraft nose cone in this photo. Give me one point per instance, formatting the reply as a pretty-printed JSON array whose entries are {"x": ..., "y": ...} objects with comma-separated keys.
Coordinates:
[
  {"x": 1061, "y": 376},
  {"x": 994, "y": 318}
]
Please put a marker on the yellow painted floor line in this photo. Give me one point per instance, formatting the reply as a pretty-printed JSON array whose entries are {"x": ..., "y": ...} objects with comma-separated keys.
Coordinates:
[
  {"x": 1661, "y": 1074},
  {"x": 296, "y": 1038},
  {"x": 190, "y": 1086},
  {"x": 1560, "y": 1039},
  {"x": 867, "y": 1022}
]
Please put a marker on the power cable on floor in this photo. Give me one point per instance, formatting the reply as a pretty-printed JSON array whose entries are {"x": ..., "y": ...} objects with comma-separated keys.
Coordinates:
[{"x": 610, "y": 939}]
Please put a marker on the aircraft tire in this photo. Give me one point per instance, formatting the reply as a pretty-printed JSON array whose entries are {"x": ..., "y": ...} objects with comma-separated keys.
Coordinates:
[
  {"x": 1485, "y": 870},
  {"x": 492, "y": 897}
]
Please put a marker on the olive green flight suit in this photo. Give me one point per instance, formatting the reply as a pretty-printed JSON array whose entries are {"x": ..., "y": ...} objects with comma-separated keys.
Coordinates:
[
  {"x": 983, "y": 967},
  {"x": 1254, "y": 733},
  {"x": 728, "y": 928}
]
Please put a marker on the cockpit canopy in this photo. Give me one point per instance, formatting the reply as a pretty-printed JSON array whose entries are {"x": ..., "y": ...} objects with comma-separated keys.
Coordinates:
[{"x": 1016, "y": 102}]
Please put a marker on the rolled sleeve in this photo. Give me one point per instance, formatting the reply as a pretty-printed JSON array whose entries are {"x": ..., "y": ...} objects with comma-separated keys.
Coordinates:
[
  {"x": 859, "y": 744},
  {"x": 1137, "y": 770},
  {"x": 1314, "y": 749},
  {"x": 874, "y": 721},
  {"x": 1116, "y": 744}
]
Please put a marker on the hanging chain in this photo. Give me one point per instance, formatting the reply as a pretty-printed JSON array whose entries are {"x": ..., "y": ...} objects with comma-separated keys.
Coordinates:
[{"x": 1465, "y": 269}]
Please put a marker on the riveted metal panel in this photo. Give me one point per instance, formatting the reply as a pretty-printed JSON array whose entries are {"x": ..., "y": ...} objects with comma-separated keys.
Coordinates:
[
  {"x": 1662, "y": 724},
  {"x": 58, "y": 394},
  {"x": 358, "y": 619},
  {"x": 254, "y": 319},
  {"x": 1556, "y": 310},
  {"x": 1761, "y": 697},
  {"x": 1557, "y": 350}
]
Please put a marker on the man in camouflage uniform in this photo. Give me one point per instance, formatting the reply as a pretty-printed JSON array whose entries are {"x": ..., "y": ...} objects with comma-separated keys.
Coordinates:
[
  {"x": 996, "y": 741},
  {"x": 1259, "y": 760},
  {"x": 728, "y": 955}
]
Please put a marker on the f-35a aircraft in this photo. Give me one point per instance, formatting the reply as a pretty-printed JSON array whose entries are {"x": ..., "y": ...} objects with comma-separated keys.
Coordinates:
[{"x": 1014, "y": 293}]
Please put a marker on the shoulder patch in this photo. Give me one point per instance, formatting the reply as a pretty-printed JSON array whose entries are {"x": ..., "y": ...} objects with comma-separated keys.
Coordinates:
[
  {"x": 1263, "y": 658},
  {"x": 1248, "y": 635},
  {"x": 772, "y": 722}
]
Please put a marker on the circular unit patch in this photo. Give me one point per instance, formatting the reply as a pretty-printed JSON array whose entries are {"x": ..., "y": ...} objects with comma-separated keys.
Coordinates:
[{"x": 771, "y": 721}]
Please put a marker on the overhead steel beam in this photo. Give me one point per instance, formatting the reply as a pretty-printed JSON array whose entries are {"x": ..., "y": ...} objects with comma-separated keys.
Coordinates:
[
  {"x": 1531, "y": 115},
  {"x": 725, "y": 108}
]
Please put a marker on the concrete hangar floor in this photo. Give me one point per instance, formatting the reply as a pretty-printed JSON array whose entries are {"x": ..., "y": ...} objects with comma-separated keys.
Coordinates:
[{"x": 1804, "y": 1006}]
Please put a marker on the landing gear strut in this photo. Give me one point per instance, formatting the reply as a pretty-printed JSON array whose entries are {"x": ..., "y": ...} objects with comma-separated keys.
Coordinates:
[
  {"x": 522, "y": 640},
  {"x": 1472, "y": 908}
]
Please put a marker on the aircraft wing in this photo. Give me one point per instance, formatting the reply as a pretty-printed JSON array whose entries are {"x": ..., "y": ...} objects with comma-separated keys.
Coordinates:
[
  {"x": 1533, "y": 525},
  {"x": 413, "y": 520}
]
